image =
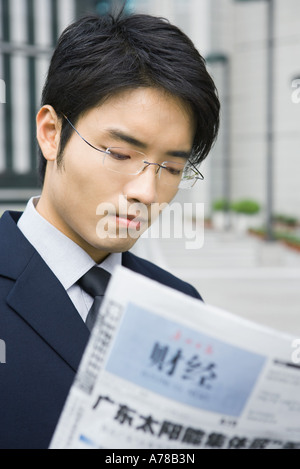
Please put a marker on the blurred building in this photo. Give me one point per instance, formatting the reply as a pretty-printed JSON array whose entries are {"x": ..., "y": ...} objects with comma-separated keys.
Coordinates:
[
  {"x": 262, "y": 80},
  {"x": 231, "y": 34},
  {"x": 29, "y": 31}
]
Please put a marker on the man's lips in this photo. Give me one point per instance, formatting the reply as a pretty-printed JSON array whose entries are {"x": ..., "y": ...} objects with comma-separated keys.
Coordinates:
[{"x": 130, "y": 221}]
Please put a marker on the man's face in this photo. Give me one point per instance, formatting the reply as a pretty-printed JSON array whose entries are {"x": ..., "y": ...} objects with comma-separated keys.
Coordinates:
[{"x": 74, "y": 193}]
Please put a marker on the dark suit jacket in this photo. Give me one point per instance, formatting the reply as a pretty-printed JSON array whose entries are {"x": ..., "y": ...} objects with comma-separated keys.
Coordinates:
[{"x": 45, "y": 338}]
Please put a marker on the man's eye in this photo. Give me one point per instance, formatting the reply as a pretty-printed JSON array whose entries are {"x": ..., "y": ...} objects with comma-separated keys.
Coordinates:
[
  {"x": 174, "y": 171},
  {"x": 118, "y": 155}
]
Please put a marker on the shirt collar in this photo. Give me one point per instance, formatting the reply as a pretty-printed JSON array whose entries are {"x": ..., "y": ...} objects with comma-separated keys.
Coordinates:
[{"x": 68, "y": 261}]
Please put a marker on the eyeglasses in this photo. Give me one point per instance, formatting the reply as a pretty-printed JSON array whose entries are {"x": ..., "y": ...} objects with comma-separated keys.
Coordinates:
[{"x": 127, "y": 161}]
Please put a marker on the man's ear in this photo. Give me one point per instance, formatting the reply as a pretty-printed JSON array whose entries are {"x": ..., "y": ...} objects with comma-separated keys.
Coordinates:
[{"x": 48, "y": 129}]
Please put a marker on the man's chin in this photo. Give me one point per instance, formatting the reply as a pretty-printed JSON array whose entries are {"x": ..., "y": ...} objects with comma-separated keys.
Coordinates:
[{"x": 111, "y": 245}]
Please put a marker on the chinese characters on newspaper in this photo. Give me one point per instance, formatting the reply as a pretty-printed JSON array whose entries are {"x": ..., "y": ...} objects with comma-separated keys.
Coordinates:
[{"x": 163, "y": 370}]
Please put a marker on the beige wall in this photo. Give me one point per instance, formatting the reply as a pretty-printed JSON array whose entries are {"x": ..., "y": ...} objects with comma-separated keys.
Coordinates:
[{"x": 239, "y": 30}]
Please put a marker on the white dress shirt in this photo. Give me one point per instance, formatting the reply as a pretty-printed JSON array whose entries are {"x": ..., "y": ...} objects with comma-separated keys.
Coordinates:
[{"x": 66, "y": 259}]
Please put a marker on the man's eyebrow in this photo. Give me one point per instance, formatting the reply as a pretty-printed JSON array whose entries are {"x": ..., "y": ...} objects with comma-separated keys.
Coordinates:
[
  {"x": 179, "y": 154},
  {"x": 123, "y": 137}
]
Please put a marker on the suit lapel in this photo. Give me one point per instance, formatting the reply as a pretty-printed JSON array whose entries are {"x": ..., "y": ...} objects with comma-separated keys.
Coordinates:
[
  {"x": 131, "y": 262},
  {"x": 139, "y": 265},
  {"x": 37, "y": 295},
  {"x": 40, "y": 299}
]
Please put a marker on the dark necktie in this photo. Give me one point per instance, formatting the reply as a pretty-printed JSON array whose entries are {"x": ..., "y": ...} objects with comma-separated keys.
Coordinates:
[{"x": 94, "y": 282}]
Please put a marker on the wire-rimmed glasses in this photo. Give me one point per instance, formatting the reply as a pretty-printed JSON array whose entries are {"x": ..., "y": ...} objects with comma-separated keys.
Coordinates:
[{"x": 128, "y": 161}]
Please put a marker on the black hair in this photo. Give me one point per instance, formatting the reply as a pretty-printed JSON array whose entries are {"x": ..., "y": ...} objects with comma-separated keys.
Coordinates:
[{"x": 96, "y": 57}]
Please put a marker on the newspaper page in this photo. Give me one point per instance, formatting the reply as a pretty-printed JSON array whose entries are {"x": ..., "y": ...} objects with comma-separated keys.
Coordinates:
[{"x": 163, "y": 370}]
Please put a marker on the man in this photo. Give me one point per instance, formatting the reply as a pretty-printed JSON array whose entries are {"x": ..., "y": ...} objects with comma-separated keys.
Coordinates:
[{"x": 128, "y": 112}]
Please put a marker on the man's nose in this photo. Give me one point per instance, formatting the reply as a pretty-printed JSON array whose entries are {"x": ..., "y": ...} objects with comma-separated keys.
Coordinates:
[{"x": 144, "y": 186}]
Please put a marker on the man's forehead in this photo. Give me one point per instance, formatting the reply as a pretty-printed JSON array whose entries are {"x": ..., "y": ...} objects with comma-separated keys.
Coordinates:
[{"x": 141, "y": 96}]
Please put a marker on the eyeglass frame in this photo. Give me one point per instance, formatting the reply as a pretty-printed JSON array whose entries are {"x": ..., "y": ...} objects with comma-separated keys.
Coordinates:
[{"x": 198, "y": 175}]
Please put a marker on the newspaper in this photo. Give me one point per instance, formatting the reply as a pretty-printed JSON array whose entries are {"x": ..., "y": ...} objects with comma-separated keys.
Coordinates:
[{"x": 163, "y": 370}]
